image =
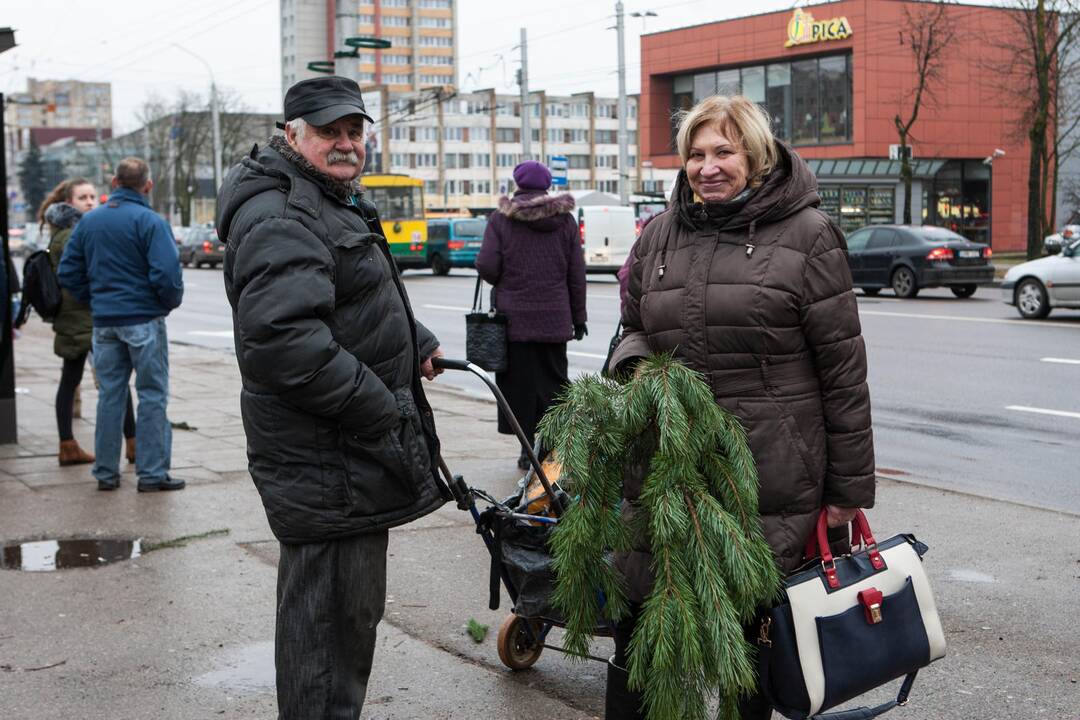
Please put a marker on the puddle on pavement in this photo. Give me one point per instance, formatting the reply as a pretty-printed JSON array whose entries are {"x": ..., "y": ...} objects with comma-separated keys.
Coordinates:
[
  {"x": 50, "y": 555},
  {"x": 247, "y": 669}
]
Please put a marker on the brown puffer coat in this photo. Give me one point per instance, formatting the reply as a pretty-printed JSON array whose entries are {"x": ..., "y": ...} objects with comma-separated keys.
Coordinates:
[{"x": 760, "y": 302}]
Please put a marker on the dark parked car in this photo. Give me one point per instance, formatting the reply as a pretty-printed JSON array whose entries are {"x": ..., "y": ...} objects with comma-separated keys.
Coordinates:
[
  {"x": 200, "y": 246},
  {"x": 454, "y": 243},
  {"x": 908, "y": 258}
]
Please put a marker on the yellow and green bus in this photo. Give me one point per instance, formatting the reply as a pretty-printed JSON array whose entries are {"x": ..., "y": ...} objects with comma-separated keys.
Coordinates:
[{"x": 400, "y": 202}]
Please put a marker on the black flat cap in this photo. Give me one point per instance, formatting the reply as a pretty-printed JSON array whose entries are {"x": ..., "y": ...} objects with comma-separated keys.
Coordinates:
[{"x": 322, "y": 100}]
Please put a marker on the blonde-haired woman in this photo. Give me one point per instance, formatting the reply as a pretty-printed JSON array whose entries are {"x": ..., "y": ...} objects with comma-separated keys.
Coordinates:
[
  {"x": 746, "y": 281},
  {"x": 61, "y": 210}
]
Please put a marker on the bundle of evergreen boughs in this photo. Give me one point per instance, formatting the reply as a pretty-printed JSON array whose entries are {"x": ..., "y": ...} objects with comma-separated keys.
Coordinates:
[{"x": 699, "y": 511}]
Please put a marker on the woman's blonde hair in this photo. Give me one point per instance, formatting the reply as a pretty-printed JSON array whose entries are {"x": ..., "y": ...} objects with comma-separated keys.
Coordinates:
[{"x": 742, "y": 121}]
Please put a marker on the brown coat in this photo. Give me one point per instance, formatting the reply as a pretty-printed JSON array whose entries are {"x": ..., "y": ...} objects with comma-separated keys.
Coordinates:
[{"x": 761, "y": 303}]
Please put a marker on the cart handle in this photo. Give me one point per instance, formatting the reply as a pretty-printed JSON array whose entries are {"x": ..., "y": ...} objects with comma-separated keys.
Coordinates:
[{"x": 449, "y": 364}]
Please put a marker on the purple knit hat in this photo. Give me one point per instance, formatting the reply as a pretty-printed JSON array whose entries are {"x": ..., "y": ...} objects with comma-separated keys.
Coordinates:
[{"x": 532, "y": 175}]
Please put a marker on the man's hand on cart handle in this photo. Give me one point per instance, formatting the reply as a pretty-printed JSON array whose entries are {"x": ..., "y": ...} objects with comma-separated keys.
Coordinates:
[{"x": 429, "y": 369}]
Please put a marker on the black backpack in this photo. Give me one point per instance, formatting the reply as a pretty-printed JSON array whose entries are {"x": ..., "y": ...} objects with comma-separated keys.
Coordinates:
[{"x": 41, "y": 289}]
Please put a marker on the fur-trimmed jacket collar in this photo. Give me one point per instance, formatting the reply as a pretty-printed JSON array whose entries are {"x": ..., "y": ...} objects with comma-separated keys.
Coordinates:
[
  {"x": 62, "y": 216},
  {"x": 533, "y": 205},
  {"x": 340, "y": 190}
]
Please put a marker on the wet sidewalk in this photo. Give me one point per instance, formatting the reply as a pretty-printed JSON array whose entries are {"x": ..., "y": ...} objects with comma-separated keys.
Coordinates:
[{"x": 185, "y": 630}]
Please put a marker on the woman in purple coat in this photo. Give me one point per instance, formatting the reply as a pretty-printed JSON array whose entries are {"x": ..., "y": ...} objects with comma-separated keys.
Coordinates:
[{"x": 532, "y": 256}]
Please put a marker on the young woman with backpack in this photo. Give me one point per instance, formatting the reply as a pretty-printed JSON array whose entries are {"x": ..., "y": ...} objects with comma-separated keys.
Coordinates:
[{"x": 73, "y": 326}]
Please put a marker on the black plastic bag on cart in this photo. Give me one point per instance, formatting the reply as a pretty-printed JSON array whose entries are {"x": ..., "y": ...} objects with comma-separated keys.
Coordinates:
[{"x": 521, "y": 551}]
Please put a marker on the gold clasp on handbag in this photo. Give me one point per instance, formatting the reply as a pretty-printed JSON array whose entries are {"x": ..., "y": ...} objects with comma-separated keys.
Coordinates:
[
  {"x": 871, "y": 599},
  {"x": 763, "y": 633}
]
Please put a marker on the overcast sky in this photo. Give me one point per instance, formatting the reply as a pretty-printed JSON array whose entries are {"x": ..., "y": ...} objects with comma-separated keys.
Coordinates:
[{"x": 130, "y": 43}]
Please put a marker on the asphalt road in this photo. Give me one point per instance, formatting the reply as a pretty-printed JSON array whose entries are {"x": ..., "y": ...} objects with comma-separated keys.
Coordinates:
[{"x": 966, "y": 395}]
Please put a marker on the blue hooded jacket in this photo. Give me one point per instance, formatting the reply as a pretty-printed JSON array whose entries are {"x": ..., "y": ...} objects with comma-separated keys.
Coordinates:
[{"x": 122, "y": 261}]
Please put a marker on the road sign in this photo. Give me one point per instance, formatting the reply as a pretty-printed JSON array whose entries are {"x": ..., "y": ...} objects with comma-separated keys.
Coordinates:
[{"x": 558, "y": 165}]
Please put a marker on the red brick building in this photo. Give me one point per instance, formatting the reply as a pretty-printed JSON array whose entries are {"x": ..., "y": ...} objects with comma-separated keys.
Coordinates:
[{"x": 832, "y": 77}]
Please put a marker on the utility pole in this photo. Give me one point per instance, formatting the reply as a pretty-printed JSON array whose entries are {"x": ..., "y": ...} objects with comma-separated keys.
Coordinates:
[
  {"x": 526, "y": 110},
  {"x": 146, "y": 156},
  {"x": 344, "y": 25},
  {"x": 215, "y": 120},
  {"x": 624, "y": 160}
]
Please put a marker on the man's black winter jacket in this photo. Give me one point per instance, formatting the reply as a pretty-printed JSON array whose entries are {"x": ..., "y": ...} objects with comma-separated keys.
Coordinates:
[{"x": 340, "y": 437}]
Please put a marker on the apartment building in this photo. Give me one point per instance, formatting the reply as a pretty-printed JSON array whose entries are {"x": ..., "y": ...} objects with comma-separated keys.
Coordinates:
[
  {"x": 464, "y": 146},
  {"x": 422, "y": 36},
  {"x": 60, "y": 104},
  {"x": 51, "y": 111}
]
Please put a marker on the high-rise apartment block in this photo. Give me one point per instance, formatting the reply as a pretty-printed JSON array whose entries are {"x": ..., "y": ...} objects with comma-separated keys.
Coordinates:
[
  {"x": 60, "y": 104},
  {"x": 422, "y": 36}
]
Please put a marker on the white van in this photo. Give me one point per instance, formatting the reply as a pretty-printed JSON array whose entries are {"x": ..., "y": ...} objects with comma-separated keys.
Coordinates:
[{"x": 608, "y": 233}]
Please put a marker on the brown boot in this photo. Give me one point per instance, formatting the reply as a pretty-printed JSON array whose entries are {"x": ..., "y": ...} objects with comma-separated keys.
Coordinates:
[
  {"x": 129, "y": 449},
  {"x": 72, "y": 454}
]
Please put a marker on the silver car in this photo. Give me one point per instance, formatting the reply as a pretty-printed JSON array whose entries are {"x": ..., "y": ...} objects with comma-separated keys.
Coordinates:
[
  {"x": 1038, "y": 286},
  {"x": 1052, "y": 244}
]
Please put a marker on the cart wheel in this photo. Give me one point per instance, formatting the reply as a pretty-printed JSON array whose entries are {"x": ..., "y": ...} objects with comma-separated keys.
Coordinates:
[{"x": 516, "y": 650}]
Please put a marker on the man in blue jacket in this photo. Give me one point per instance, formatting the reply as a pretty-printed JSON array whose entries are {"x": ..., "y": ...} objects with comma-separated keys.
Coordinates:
[{"x": 122, "y": 262}]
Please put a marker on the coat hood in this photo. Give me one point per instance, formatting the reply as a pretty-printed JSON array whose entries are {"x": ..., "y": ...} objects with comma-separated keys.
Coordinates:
[
  {"x": 536, "y": 208},
  {"x": 273, "y": 166},
  {"x": 790, "y": 187},
  {"x": 62, "y": 216}
]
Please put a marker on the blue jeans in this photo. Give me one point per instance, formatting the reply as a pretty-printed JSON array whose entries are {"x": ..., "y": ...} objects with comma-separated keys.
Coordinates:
[{"x": 143, "y": 348}]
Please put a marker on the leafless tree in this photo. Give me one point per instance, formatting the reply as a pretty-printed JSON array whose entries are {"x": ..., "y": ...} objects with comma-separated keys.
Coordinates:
[
  {"x": 1036, "y": 77},
  {"x": 927, "y": 32},
  {"x": 177, "y": 138}
]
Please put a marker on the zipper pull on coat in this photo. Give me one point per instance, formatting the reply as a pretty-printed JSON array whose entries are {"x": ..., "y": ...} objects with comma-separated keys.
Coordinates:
[
  {"x": 660, "y": 271},
  {"x": 750, "y": 240},
  {"x": 750, "y": 249}
]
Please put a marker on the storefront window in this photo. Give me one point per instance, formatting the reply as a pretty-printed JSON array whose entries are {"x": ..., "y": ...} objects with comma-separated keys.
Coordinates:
[
  {"x": 804, "y": 80},
  {"x": 727, "y": 82},
  {"x": 704, "y": 86},
  {"x": 808, "y": 101},
  {"x": 834, "y": 98},
  {"x": 778, "y": 99},
  {"x": 856, "y": 206},
  {"x": 959, "y": 199},
  {"x": 753, "y": 83}
]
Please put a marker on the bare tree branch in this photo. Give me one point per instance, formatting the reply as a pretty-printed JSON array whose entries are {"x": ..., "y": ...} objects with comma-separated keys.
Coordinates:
[{"x": 927, "y": 32}]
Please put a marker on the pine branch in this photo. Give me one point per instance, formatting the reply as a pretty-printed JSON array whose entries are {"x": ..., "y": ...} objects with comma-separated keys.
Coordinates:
[{"x": 700, "y": 519}]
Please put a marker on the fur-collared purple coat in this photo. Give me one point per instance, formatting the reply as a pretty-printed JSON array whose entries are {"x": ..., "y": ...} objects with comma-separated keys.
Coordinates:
[{"x": 532, "y": 255}]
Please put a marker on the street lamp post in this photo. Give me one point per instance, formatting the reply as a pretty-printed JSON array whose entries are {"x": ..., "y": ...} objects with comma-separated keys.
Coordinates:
[
  {"x": 989, "y": 163},
  {"x": 624, "y": 175},
  {"x": 643, "y": 16},
  {"x": 623, "y": 137},
  {"x": 215, "y": 118}
]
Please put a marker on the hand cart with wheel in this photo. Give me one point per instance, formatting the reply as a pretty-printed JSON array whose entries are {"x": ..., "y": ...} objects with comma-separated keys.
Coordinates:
[{"x": 516, "y": 538}]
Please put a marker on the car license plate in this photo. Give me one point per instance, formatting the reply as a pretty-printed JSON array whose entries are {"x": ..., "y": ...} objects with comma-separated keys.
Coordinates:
[
  {"x": 970, "y": 253},
  {"x": 472, "y": 245}
]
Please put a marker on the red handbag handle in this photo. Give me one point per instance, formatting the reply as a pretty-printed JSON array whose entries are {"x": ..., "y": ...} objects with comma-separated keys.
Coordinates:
[{"x": 860, "y": 530}]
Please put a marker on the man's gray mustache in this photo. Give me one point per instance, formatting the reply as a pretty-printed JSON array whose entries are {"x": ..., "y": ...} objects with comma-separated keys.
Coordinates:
[{"x": 334, "y": 156}]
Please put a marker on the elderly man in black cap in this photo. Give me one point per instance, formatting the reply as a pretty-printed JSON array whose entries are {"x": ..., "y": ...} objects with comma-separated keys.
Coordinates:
[{"x": 340, "y": 438}]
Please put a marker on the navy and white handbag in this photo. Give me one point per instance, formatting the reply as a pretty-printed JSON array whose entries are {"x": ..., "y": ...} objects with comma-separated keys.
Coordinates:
[{"x": 849, "y": 624}]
